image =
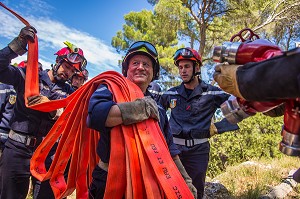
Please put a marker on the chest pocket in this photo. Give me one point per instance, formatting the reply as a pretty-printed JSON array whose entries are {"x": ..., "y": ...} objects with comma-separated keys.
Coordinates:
[{"x": 202, "y": 104}]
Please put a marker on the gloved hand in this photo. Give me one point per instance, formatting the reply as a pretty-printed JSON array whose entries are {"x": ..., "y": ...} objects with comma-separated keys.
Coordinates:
[
  {"x": 185, "y": 176},
  {"x": 213, "y": 129},
  {"x": 138, "y": 110},
  {"x": 18, "y": 44},
  {"x": 37, "y": 99},
  {"x": 54, "y": 115},
  {"x": 225, "y": 75}
]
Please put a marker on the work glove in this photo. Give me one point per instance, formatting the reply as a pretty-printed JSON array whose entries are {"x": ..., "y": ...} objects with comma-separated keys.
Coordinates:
[
  {"x": 213, "y": 129},
  {"x": 185, "y": 175},
  {"x": 37, "y": 99},
  {"x": 18, "y": 44},
  {"x": 225, "y": 76},
  {"x": 138, "y": 110},
  {"x": 54, "y": 115}
]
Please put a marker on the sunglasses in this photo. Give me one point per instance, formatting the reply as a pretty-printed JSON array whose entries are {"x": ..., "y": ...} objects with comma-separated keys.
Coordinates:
[
  {"x": 76, "y": 58},
  {"x": 139, "y": 44},
  {"x": 184, "y": 52}
]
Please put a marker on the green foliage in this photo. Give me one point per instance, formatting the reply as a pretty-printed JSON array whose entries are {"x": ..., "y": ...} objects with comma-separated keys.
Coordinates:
[
  {"x": 204, "y": 24},
  {"x": 258, "y": 137}
]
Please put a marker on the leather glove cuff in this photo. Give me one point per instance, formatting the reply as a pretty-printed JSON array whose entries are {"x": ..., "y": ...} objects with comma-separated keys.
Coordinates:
[
  {"x": 226, "y": 77},
  {"x": 133, "y": 112},
  {"x": 138, "y": 110},
  {"x": 213, "y": 129},
  {"x": 16, "y": 46}
]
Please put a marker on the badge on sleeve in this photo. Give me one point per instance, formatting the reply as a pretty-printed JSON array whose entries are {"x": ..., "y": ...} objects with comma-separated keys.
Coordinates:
[
  {"x": 12, "y": 99},
  {"x": 173, "y": 103}
]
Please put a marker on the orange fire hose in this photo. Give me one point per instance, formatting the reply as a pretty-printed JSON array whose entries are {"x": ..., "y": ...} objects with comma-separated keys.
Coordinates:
[{"x": 140, "y": 163}]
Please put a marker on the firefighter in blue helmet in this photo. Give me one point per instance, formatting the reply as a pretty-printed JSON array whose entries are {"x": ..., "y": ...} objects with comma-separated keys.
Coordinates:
[
  {"x": 193, "y": 104},
  {"x": 140, "y": 66},
  {"x": 28, "y": 126},
  {"x": 8, "y": 98}
]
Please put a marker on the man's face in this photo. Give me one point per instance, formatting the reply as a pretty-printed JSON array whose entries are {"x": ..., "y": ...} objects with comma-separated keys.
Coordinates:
[
  {"x": 140, "y": 70},
  {"x": 185, "y": 68},
  {"x": 65, "y": 71},
  {"x": 77, "y": 81}
]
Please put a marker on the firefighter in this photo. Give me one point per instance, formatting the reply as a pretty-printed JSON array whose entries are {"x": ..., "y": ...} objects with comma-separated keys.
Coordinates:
[
  {"x": 275, "y": 78},
  {"x": 193, "y": 104},
  {"x": 28, "y": 126},
  {"x": 78, "y": 79},
  {"x": 140, "y": 66},
  {"x": 271, "y": 79},
  {"x": 8, "y": 98}
]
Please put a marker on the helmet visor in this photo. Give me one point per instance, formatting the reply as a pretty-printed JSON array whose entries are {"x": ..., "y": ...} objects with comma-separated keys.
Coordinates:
[
  {"x": 76, "y": 58},
  {"x": 184, "y": 52},
  {"x": 139, "y": 44}
]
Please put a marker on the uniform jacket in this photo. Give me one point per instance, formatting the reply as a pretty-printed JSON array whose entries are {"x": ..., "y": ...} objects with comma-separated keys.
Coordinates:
[
  {"x": 7, "y": 101},
  {"x": 191, "y": 116},
  {"x": 26, "y": 120},
  {"x": 100, "y": 103},
  {"x": 275, "y": 78}
]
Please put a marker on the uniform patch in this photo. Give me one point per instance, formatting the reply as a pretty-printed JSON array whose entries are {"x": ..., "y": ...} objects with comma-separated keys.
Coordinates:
[
  {"x": 12, "y": 99},
  {"x": 173, "y": 103}
]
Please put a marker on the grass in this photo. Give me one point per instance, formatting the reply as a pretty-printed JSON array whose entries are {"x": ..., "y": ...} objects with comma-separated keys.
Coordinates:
[{"x": 250, "y": 181}]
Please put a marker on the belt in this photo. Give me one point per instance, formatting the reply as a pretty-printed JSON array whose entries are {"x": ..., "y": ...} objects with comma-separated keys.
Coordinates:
[
  {"x": 25, "y": 139},
  {"x": 103, "y": 165},
  {"x": 189, "y": 142}
]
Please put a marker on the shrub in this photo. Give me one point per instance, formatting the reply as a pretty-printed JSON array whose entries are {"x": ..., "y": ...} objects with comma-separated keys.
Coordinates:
[{"x": 258, "y": 137}]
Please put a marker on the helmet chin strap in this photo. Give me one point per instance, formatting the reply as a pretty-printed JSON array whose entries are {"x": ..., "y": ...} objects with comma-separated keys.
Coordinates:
[
  {"x": 54, "y": 72},
  {"x": 195, "y": 74}
]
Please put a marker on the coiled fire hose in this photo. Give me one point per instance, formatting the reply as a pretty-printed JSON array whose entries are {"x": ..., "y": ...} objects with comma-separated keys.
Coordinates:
[{"x": 140, "y": 163}]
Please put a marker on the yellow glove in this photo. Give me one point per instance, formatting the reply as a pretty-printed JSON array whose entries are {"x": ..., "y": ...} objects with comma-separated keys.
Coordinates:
[
  {"x": 213, "y": 129},
  {"x": 185, "y": 176},
  {"x": 225, "y": 75}
]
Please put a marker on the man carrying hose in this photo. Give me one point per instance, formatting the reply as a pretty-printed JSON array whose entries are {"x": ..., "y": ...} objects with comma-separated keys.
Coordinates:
[
  {"x": 28, "y": 126},
  {"x": 140, "y": 66}
]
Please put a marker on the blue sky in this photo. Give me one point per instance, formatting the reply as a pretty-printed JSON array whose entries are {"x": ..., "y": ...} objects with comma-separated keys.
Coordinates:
[{"x": 88, "y": 24}]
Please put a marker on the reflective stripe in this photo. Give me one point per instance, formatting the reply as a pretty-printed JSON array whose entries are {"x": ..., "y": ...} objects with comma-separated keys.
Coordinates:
[
  {"x": 171, "y": 93},
  {"x": 7, "y": 91},
  {"x": 155, "y": 92},
  {"x": 213, "y": 93},
  {"x": 189, "y": 142},
  {"x": 25, "y": 139},
  {"x": 101, "y": 89},
  {"x": 204, "y": 93}
]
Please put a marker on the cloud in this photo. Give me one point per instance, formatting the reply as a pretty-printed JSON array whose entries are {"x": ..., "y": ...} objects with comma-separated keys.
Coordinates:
[{"x": 52, "y": 34}]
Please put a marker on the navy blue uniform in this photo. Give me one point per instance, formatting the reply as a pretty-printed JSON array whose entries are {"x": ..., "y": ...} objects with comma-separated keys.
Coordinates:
[
  {"x": 7, "y": 100},
  {"x": 26, "y": 123},
  {"x": 155, "y": 90},
  {"x": 99, "y": 107},
  {"x": 275, "y": 78},
  {"x": 190, "y": 120}
]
